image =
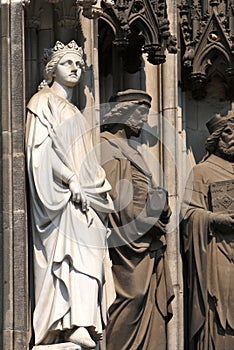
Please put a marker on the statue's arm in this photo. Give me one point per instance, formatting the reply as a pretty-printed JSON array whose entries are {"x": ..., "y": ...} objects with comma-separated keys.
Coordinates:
[
  {"x": 60, "y": 171},
  {"x": 222, "y": 222},
  {"x": 63, "y": 174}
]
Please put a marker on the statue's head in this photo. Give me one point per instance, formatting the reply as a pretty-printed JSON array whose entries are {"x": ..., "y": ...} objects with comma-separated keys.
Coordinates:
[
  {"x": 58, "y": 59},
  {"x": 129, "y": 110},
  {"x": 221, "y": 139}
]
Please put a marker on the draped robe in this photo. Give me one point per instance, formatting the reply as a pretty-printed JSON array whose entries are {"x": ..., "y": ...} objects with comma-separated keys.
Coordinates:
[
  {"x": 210, "y": 267},
  {"x": 72, "y": 270},
  {"x": 142, "y": 308}
]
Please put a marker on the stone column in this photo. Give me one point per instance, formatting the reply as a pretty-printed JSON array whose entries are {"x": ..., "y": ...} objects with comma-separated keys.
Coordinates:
[
  {"x": 89, "y": 86},
  {"x": 171, "y": 143},
  {"x": 153, "y": 87},
  {"x": 13, "y": 230},
  {"x": 31, "y": 55}
]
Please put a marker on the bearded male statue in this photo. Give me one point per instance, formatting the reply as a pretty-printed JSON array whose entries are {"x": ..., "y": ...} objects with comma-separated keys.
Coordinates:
[
  {"x": 137, "y": 244},
  {"x": 208, "y": 235}
]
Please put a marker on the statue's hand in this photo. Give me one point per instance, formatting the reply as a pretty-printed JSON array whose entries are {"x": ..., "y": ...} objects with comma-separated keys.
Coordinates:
[
  {"x": 223, "y": 222},
  {"x": 77, "y": 194}
]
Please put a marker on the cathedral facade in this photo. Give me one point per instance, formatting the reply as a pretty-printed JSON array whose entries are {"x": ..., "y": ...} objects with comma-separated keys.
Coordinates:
[{"x": 179, "y": 52}]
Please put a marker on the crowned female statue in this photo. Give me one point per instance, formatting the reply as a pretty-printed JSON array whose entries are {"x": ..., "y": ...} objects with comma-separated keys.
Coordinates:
[{"x": 68, "y": 204}]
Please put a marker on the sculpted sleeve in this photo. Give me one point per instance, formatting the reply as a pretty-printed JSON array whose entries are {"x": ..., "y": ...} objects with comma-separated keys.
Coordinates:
[{"x": 195, "y": 231}]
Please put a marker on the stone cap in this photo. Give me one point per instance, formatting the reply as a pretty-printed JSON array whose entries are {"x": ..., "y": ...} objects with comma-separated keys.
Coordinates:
[
  {"x": 218, "y": 121},
  {"x": 131, "y": 95}
]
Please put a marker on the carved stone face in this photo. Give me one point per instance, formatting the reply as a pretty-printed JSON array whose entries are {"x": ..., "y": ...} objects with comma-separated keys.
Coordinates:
[
  {"x": 137, "y": 119},
  {"x": 226, "y": 143},
  {"x": 68, "y": 70}
]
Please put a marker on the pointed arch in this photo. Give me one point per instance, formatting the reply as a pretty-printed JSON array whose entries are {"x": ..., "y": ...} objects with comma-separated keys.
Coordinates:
[
  {"x": 210, "y": 53},
  {"x": 149, "y": 32}
]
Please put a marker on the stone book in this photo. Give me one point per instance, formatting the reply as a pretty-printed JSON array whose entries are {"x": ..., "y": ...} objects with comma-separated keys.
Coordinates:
[{"x": 222, "y": 196}]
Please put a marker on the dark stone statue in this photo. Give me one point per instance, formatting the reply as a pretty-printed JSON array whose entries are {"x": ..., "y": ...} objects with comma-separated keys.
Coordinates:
[
  {"x": 137, "y": 243},
  {"x": 208, "y": 236}
]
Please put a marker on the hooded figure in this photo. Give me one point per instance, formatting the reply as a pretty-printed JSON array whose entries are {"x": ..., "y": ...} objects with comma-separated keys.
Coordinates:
[
  {"x": 208, "y": 237},
  {"x": 68, "y": 205}
]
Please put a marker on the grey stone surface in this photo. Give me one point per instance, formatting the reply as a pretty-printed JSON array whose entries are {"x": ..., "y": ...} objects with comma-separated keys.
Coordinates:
[
  {"x": 170, "y": 161},
  {"x": 62, "y": 346},
  {"x": 14, "y": 276}
]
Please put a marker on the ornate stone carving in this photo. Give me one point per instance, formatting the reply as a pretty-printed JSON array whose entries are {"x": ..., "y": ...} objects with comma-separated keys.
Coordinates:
[
  {"x": 149, "y": 16},
  {"x": 32, "y": 19},
  {"x": 66, "y": 11},
  {"x": 92, "y": 8},
  {"x": 33, "y": 22},
  {"x": 155, "y": 53},
  {"x": 60, "y": 48},
  {"x": 145, "y": 22},
  {"x": 207, "y": 36}
]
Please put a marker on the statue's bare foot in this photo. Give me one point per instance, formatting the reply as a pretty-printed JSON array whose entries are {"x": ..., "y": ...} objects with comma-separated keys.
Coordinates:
[
  {"x": 82, "y": 337},
  {"x": 94, "y": 334}
]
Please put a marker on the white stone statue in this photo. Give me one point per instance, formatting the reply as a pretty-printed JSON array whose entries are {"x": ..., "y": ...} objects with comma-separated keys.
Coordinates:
[{"x": 68, "y": 201}]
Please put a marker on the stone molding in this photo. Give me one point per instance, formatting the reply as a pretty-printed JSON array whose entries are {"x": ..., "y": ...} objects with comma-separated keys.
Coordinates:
[
  {"x": 147, "y": 22},
  {"x": 67, "y": 14},
  {"x": 91, "y": 8},
  {"x": 152, "y": 19},
  {"x": 207, "y": 33}
]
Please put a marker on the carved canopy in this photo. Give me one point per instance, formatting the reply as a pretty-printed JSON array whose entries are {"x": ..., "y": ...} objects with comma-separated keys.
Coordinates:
[
  {"x": 207, "y": 31},
  {"x": 144, "y": 21},
  {"x": 137, "y": 26}
]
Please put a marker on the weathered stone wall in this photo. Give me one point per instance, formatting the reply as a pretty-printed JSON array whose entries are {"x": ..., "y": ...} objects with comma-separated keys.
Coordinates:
[{"x": 13, "y": 245}]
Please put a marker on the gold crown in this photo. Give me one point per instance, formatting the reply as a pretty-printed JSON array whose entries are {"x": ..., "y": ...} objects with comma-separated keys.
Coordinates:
[{"x": 60, "y": 48}]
